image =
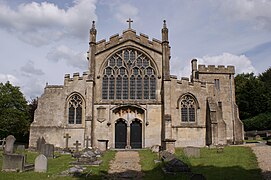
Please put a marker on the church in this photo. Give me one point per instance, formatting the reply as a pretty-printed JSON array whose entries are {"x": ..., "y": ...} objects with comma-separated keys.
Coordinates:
[{"x": 127, "y": 99}]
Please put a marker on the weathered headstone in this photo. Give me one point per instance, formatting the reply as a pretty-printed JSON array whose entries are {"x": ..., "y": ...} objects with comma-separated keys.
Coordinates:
[
  {"x": 67, "y": 136},
  {"x": 41, "y": 163},
  {"x": 76, "y": 144},
  {"x": 20, "y": 147},
  {"x": 40, "y": 142},
  {"x": 13, "y": 162},
  {"x": 87, "y": 141},
  {"x": 192, "y": 151},
  {"x": 47, "y": 150},
  {"x": 9, "y": 147},
  {"x": 155, "y": 148}
]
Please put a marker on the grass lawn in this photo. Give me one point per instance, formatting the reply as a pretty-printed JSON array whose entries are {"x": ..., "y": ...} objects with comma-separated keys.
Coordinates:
[
  {"x": 234, "y": 163},
  {"x": 56, "y": 166}
]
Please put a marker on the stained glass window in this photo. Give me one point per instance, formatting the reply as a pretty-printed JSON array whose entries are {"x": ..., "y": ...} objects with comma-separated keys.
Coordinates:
[
  {"x": 188, "y": 107},
  {"x": 75, "y": 109},
  {"x": 129, "y": 74}
]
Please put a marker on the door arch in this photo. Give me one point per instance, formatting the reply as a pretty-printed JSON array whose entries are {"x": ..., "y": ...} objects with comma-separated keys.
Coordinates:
[
  {"x": 136, "y": 134},
  {"x": 120, "y": 134}
]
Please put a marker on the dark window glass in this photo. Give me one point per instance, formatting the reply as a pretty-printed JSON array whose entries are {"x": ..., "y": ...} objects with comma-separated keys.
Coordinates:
[
  {"x": 188, "y": 107},
  {"x": 139, "y": 88},
  {"x": 123, "y": 77},
  {"x": 71, "y": 115},
  {"x": 146, "y": 87},
  {"x": 118, "y": 87},
  {"x": 79, "y": 115}
]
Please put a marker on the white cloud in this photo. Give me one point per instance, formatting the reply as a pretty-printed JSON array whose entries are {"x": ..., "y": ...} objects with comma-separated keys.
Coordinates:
[
  {"x": 8, "y": 77},
  {"x": 257, "y": 11},
  {"x": 29, "y": 69},
  {"x": 241, "y": 62},
  {"x": 72, "y": 58},
  {"x": 124, "y": 11},
  {"x": 32, "y": 87},
  {"x": 40, "y": 23}
]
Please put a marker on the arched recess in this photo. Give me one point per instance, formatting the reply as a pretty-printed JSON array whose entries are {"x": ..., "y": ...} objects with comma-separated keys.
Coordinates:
[
  {"x": 129, "y": 74},
  {"x": 188, "y": 106},
  {"x": 120, "y": 134},
  {"x": 75, "y": 108}
]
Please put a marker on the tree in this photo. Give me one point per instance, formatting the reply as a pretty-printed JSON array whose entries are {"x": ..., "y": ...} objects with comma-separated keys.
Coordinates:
[
  {"x": 14, "y": 115},
  {"x": 33, "y": 104},
  {"x": 265, "y": 77},
  {"x": 251, "y": 95}
]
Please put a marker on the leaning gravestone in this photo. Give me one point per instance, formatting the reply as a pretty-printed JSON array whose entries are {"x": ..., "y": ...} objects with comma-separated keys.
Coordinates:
[
  {"x": 9, "y": 147},
  {"x": 40, "y": 142},
  {"x": 41, "y": 163},
  {"x": 47, "y": 150}
]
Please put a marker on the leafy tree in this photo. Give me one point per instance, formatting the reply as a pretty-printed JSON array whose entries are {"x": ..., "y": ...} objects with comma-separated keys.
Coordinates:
[
  {"x": 265, "y": 77},
  {"x": 33, "y": 104},
  {"x": 14, "y": 115},
  {"x": 259, "y": 122},
  {"x": 251, "y": 95}
]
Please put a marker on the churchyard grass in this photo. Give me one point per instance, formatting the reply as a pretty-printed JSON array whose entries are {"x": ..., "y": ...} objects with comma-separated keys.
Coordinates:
[
  {"x": 233, "y": 163},
  {"x": 55, "y": 167}
]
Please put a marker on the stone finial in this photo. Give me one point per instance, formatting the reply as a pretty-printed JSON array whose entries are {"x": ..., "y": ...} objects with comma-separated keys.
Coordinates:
[
  {"x": 93, "y": 25},
  {"x": 164, "y": 25}
]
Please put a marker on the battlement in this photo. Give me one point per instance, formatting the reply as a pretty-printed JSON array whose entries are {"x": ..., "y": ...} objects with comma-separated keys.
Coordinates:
[
  {"x": 76, "y": 77},
  {"x": 129, "y": 34},
  {"x": 185, "y": 81},
  {"x": 212, "y": 69}
]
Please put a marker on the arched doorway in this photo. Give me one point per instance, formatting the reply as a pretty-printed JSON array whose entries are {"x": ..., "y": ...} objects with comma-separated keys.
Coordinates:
[
  {"x": 136, "y": 134},
  {"x": 120, "y": 134}
]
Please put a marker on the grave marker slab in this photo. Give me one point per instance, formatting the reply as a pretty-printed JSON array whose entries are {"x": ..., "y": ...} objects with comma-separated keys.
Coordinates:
[
  {"x": 41, "y": 163},
  {"x": 47, "y": 150},
  {"x": 40, "y": 142},
  {"x": 192, "y": 151},
  {"x": 9, "y": 147}
]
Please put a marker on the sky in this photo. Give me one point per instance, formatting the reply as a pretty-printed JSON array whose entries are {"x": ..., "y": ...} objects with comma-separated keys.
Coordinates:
[{"x": 41, "y": 41}]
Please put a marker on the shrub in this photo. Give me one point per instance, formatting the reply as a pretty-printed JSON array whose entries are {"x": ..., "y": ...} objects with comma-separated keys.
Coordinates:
[{"x": 259, "y": 122}]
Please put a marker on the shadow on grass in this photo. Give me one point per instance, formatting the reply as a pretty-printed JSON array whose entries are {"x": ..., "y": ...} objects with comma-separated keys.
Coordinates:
[{"x": 209, "y": 172}]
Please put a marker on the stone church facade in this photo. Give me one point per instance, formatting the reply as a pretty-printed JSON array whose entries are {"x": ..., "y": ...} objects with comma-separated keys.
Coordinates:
[{"x": 128, "y": 99}]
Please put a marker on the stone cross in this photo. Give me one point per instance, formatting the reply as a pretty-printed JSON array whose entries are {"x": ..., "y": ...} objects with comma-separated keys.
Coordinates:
[
  {"x": 129, "y": 22},
  {"x": 67, "y": 140},
  {"x": 76, "y": 144},
  {"x": 87, "y": 140}
]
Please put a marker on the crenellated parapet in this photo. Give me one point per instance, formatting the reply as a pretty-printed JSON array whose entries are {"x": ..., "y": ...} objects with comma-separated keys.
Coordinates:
[
  {"x": 127, "y": 35},
  {"x": 75, "y": 78},
  {"x": 212, "y": 69},
  {"x": 185, "y": 81}
]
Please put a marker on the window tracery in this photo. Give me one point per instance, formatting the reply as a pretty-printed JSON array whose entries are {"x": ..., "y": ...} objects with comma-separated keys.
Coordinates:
[
  {"x": 188, "y": 107},
  {"x": 75, "y": 109},
  {"x": 129, "y": 74}
]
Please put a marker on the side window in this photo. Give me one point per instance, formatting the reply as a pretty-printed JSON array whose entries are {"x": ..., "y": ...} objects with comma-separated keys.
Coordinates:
[
  {"x": 188, "y": 109},
  {"x": 217, "y": 85},
  {"x": 75, "y": 109}
]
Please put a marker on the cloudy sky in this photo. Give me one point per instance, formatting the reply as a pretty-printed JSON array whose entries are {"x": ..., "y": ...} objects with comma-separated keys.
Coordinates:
[{"x": 40, "y": 40}]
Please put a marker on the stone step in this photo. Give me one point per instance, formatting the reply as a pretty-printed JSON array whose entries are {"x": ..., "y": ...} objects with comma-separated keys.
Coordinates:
[{"x": 28, "y": 167}]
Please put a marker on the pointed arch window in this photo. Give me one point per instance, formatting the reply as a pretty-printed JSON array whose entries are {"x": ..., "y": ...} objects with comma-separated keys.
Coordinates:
[
  {"x": 129, "y": 74},
  {"x": 75, "y": 104},
  {"x": 188, "y": 109}
]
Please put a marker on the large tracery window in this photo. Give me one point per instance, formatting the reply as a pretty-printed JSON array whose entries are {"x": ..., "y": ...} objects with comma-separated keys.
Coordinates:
[
  {"x": 75, "y": 109},
  {"x": 129, "y": 74},
  {"x": 188, "y": 109}
]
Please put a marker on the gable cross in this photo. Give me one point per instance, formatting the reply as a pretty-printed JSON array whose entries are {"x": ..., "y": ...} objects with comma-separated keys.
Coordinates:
[{"x": 130, "y": 22}]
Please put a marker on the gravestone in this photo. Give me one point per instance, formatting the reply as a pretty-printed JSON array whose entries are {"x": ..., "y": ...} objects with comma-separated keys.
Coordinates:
[
  {"x": 20, "y": 147},
  {"x": 13, "y": 162},
  {"x": 87, "y": 144},
  {"x": 192, "y": 151},
  {"x": 155, "y": 148},
  {"x": 41, "y": 163},
  {"x": 9, "y": 147},
  {"x": 47, "y": 150},
  {"x": 40, "y": 142},
  {"x": 67, "y": 137},
  {"x": 173, "y": 164},
  {"x": 77, "y": 144}
]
